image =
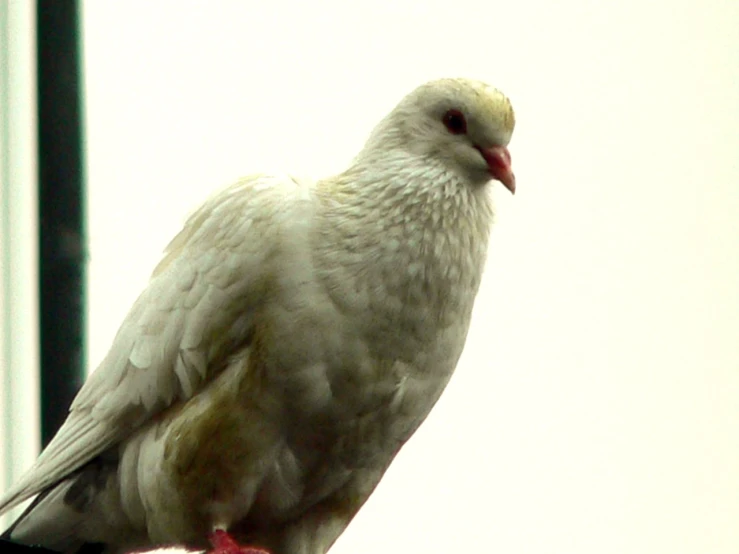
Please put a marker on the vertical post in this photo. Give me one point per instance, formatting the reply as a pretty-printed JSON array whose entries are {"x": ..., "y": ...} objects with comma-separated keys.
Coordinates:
[
  {"x": 61, "y": 211},
  {"x": 19, "y": 326}
]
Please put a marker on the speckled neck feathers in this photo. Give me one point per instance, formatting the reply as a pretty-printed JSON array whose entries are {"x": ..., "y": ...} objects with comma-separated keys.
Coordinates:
[{"x": 417, "y": 233}]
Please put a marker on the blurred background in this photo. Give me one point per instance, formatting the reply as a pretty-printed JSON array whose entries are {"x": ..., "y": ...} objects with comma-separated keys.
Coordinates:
[{"x": 596, "y": 406}]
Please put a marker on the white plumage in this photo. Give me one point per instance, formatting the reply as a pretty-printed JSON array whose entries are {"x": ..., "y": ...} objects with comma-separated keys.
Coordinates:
[{"x": 292, "y": 339}]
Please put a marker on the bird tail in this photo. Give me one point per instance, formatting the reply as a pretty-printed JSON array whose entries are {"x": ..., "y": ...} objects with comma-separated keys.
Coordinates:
[{"x": 48, "y": 522}]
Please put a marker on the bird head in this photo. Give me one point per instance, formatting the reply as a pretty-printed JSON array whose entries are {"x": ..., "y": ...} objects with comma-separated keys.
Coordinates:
[{"x": 464, "y": 123}]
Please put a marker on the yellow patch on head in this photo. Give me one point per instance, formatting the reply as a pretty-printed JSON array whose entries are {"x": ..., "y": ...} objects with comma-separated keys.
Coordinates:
[{"x": 488, "y": 98}]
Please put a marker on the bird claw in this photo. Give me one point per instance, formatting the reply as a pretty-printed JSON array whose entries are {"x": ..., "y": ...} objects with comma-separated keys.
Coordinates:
[{"x": 223, "y": 543}]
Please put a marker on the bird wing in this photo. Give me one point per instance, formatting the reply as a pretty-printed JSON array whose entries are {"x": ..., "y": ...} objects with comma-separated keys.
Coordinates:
[{"x": 195, "y": 313}]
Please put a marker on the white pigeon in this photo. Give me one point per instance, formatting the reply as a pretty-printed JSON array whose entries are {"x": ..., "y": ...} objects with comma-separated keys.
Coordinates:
[{"x": 291, "y": 340}]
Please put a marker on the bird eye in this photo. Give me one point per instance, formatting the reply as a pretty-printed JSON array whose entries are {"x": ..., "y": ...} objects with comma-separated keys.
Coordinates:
[{"x": 455, "y": 122}]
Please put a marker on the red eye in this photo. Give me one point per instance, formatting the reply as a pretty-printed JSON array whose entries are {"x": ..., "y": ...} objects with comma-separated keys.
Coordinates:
[{"x": 455, "y": 122}]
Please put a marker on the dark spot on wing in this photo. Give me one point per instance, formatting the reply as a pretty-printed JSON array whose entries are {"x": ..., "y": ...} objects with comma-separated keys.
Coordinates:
[{"x": 88, "y": 481}]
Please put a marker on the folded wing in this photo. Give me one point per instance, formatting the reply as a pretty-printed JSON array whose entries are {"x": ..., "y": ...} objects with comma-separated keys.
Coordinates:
[{"x": 195, "y": 313}]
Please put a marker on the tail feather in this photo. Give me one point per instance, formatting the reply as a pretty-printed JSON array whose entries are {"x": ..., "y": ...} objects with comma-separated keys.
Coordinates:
[
  {"x": 81, "y": 514},
  {"x": 48, "y": 522}
]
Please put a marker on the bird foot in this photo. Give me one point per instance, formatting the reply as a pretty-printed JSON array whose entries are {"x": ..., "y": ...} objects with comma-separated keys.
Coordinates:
[{"x": 223, "y": 543}]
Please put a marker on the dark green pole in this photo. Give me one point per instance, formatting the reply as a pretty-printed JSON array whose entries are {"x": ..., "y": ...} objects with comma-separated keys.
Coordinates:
[{"x": 61, "y": 210}]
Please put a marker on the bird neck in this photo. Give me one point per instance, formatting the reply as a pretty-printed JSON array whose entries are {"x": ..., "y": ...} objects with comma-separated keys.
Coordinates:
[{"x": 406, "y": 227}]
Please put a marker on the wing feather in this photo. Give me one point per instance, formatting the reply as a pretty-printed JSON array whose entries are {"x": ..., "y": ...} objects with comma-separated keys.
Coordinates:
[{"x": 196, "y": 312}]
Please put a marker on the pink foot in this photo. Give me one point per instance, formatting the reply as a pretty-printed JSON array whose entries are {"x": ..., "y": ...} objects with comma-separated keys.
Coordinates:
[{"x": 223, "y": 543}]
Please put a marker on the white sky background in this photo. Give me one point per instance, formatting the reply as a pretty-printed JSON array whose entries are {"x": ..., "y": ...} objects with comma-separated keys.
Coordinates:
[{"x": 596, "y": 408}]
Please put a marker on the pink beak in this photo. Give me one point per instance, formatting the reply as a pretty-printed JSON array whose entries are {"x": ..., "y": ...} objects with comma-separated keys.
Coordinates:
[{"x": 499, "y": 165}]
